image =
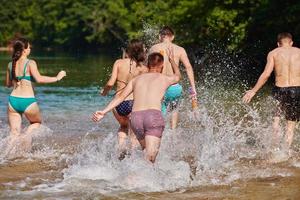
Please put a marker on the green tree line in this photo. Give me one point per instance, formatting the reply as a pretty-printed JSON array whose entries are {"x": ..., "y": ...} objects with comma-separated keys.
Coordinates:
[{"x": 76, "y": 23}]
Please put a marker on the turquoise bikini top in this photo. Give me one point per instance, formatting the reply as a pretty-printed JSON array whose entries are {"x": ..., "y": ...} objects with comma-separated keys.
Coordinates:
[{"x": 28, "y": 78}]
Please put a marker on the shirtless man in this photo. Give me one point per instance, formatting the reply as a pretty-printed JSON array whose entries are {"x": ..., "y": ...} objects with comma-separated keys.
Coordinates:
[
  {"x": 285, "y": 60},
  {"x": 173, "y": 94},
  {"x": 148, "y": 91}
]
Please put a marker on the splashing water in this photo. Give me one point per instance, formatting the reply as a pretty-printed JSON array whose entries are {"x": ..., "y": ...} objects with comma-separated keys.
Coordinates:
[
  {"x": 227, "y": 141},
  {"x": 150, "y": 34}
]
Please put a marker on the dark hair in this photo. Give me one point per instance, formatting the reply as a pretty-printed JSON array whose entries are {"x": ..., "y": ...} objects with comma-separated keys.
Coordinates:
[
  {"x": 284, "y": 35},
  {"x": 18, "y": 47},
  {"x": 155, "y": 59},
  {"x": 135, "y": 51},
  {"x": 166, "y": 31}
]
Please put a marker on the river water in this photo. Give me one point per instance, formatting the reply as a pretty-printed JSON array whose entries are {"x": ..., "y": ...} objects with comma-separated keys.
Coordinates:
[{"x": 222, "y": 153}]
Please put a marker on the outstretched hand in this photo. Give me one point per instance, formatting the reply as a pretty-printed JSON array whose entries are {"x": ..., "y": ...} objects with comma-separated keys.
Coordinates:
[
  {"x": 248, "y": 96},
  {"x": 97, "y": 116},
  {"x": 61, "y": 74}
]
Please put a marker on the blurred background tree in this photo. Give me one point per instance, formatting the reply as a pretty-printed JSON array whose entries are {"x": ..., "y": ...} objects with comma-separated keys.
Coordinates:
[{"x": 71, "y": 24}]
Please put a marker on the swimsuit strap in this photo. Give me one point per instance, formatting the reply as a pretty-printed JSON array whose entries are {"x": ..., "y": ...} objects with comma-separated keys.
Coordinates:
[
  {"x": 130, "y": 72},
  {"x": 25, "y": 67},
  {"x": 130, "y": 63}
]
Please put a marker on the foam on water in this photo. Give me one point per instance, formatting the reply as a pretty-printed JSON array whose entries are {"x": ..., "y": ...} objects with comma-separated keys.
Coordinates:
[
  {"x": 206, "y": 151},
  {"x": 215, "y": 148},
  {"x": 225, "y": 140}
]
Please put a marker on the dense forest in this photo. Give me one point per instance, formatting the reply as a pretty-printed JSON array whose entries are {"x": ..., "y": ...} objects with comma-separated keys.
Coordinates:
[{"x": 95, "y": 23}]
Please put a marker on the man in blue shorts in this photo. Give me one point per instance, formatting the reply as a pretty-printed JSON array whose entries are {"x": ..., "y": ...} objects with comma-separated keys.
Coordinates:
[{"x": 174, "y": 92}]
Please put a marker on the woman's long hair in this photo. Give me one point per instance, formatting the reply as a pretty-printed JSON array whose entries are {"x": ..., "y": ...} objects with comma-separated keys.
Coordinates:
[
  {"x": 135, "y": 51},
  {"x": 18, "y": 47}
]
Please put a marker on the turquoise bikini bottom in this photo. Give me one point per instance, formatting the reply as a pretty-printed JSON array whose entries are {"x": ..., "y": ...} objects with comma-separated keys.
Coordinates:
[{"x": 20, "y": 104}]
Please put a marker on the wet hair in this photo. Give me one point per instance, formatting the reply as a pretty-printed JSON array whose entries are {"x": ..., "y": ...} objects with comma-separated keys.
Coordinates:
[
  {"x": 284, "y": 35},
  {"x": 166, "y": 31},
  {"x": 18, "y": 47},
  {"x": 155, "y": 59},
  {"x": 135, "y": 51}
]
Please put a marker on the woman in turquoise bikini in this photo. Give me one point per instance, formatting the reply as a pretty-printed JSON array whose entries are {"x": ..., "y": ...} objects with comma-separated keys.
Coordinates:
[{"x": 21, "y": 73}]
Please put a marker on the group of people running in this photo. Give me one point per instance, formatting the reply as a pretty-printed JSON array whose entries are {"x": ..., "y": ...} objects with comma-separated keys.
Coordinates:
[
  {"x": 147, "y": 88},
  {"x": 146, "y": 93}
]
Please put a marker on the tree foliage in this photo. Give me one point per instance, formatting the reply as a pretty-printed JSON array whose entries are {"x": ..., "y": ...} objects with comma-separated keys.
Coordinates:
[{"x": 73, "y": 23}]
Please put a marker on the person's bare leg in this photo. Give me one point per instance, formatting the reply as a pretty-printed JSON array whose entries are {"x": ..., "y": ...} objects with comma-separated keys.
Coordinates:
[
  {"x": 122, "y": 134},
  {"x": 276, "y": 132},
  {"x": 32, "y": 113},
  {"x": 142, "y": 143},
  {"x": 174, "y": 119},
  {"x": 133, "y": 140},
  {"x": 152, "y": 147},
  {"x": 15, "y": 122},
  {"x": 290, "y": 128}
]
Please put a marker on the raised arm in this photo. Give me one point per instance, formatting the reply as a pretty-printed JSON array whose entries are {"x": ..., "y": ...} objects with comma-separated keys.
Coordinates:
[
  {"x": 189, "y": 69},
  {"x": 98, "y": 115},
  {"x": 8, "y": 82},
  {"x": 44, "y": 79},
  {"x": 111, "y": 82},
  {"x": 262, "y": 79}
]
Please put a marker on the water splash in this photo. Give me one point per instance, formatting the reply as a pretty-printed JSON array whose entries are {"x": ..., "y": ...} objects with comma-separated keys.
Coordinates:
[{"x": 150, "y": 34}]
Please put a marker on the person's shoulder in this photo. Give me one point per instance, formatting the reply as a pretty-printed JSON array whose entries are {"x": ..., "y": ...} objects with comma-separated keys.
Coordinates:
[
  {"x": 141, "y": 76},
  {"x": 144, "y": 69},
  {"x": 121, "y": 61},
  {"x": 296, "y": 49},
  {"x": 155, "y": 47},
  {"x": 179, "y": 49},
  {"x": 274, "y": 51},
  {"x": 32, "y": 62}
]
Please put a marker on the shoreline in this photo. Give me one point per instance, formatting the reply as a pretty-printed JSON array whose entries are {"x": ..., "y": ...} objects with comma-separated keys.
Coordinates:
[{"x": 4, "y": 49}]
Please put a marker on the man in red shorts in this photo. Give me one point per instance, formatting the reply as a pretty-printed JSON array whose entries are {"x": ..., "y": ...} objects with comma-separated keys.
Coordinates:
[{"x": 148, "y": 90}]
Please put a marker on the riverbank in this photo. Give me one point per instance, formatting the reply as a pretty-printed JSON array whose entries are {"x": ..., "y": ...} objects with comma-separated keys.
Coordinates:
[{"x": 4, "y": 48}]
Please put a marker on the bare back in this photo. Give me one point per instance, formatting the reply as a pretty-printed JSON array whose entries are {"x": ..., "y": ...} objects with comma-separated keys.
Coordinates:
[
  {"x": 162, "y": 48},
  {"x": 126, "y": 71},
  {"x": 287, "y": 66},
  {"x": 149, "y": 89},
  {"x": 23, "y": 88}
]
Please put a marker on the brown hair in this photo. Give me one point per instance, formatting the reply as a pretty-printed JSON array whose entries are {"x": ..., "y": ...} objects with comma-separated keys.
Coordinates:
[
  {"x": 166, "y": 31},
  {"x": 135, "y": 51},
  {"x": 155, "y": 59},
  {"x": 18, "y": 47},
  {"x": 284, "y": 35}
]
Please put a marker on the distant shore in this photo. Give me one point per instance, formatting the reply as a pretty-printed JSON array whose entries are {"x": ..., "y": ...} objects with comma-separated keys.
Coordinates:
[{"x": 4, "y": 49}]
